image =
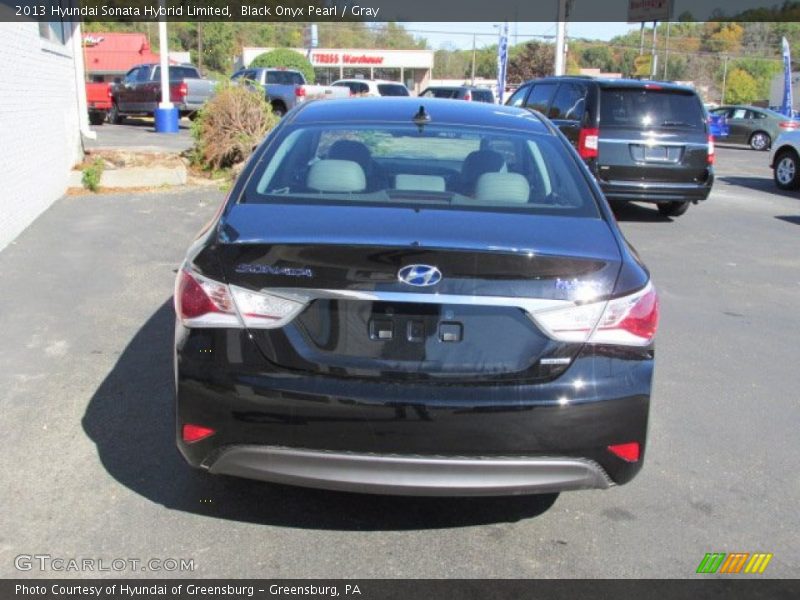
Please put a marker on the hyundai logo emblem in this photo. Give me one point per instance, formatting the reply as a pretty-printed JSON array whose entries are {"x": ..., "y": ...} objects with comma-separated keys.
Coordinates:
[{"x": 419, "y": 275}]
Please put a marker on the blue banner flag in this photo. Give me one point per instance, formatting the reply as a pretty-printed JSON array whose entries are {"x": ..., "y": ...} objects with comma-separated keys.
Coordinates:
[
  {"x": 502, "y": 63},
  {"x": 787, "y": 108}
]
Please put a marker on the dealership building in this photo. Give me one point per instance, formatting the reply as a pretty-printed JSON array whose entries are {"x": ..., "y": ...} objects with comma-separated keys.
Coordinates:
[{"x": 412, "y": 67}]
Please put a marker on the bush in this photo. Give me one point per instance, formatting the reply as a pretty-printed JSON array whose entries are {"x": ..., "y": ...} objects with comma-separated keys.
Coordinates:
[
  {"x": 283, "y": 57},
  {"x": 92, "y": 174},
  {"x": 230, "y": 125}
]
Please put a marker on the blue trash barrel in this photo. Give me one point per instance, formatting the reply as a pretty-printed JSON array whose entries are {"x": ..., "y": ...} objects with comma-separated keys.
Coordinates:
[{"x": 167, "y": 120}]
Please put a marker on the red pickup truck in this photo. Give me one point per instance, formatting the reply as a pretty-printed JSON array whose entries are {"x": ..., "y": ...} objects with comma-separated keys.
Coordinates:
[{"x": 98, "y": 100}]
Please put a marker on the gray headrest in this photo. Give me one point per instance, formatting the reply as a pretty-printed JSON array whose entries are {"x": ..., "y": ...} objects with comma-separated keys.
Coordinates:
[
  {"x": 336, "y": 176},
  {"x": 502, "y": 187}
]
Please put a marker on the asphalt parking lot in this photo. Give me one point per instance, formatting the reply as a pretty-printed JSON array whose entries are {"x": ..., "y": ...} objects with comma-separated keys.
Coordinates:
[
  {"x": 90, "y": 468},
  {"x": 138, "y": 134}
]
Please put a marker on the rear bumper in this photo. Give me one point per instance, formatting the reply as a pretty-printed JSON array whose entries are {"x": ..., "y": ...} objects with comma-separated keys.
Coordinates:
[
  {"x": 657, "y": 192},
  {"x": 409, "y": 475},
  {"x": 410, "y": 437}
]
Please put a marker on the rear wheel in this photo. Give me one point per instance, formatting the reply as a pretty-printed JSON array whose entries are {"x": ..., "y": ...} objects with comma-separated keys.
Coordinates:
[
  {"x": 278, "y": 109},
  {"x": 673, "y": 209},
  {"x": 760, "y": 140},
  {"x": 786, "y": 170},
  {"x": 97, "y": 118},
  {"x": 114, "y": 116}
]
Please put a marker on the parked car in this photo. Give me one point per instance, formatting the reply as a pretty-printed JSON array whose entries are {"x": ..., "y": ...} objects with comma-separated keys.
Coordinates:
[
  {"x": 139, "y": 93},
  {"x": 459, "y": 92},
  {"x": 784, "y": 161},
  {"x": 644, "y": 141},
  {"x": 98, "y": 101},
  {"x": 496, "y": 339},
  {"x": 755, "y": 126},
  {"x": 372, "y": 87},
  {"x": 286, "y": 88}
]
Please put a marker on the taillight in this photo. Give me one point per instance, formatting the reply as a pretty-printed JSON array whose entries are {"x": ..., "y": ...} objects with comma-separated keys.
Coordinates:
[
  {"x": 628, "y": 321},
  {"x": 203, "y": 302},
  {"x": 712, "y": 152},
  {"x": 299, "y": 91},
  {"x": 110, "y": 93},
  {"x": 194, "y": 433},
  {"x": 183, "y": 89},
  {"x": 263, "y": 310},
  {"x": 588, "y": 141},
  {"x": 468, "y": 96},
  {"x": 788, "y": 124},
  {"x": 628, "y": 452}
]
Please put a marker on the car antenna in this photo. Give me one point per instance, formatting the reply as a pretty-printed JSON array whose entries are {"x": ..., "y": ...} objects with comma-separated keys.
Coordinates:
[{"x": 421, "y": 118}]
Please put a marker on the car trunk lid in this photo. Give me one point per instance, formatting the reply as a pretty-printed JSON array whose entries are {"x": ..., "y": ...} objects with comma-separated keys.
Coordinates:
[{"x": 362, "y": 320}]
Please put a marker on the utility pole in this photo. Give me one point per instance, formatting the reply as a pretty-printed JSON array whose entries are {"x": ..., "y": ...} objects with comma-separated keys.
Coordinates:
[
  {"x": 724, "y": 79},
  {"x": 200, "y": 46},
  {"x": 666, "y": 51},
  {"x": 641, "y": 39},
  {"x": 653, "y": 56},
  {"x": 561, "y": 34},
  {"x": 472, "y": 82}
]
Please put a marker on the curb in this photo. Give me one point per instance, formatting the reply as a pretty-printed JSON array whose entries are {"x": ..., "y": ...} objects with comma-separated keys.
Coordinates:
[{"x": 136, "y": 177}]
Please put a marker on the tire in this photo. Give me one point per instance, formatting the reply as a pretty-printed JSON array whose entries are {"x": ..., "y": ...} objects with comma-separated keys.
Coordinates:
[
  {"x": 278, "y": 109},
  {"x": 760, "y": 141},
  {"x": 673, "y": 209},
  {"x": 97, "y": 118},
  {"x": 114, "y": 116},
  {"x": 787, "y": 170}
]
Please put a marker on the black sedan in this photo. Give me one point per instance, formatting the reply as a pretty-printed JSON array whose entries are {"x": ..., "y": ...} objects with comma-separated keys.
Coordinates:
[{"x": 415, "y": 296}]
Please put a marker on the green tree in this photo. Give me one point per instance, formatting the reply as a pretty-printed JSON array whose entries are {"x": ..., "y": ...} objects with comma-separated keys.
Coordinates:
[
  {"x": 218, "y": 46},
  {"x": 535, "y": 59},
  {"x": 741, "y": 87},
  {"x": 598, "y": 57},
  {"x": 285, "y": 57},
  {"x": 761, "y": 70}
]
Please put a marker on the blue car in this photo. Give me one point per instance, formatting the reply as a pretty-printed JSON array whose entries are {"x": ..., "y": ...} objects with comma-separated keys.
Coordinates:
[
  {"x": 415, "y": 296},
  {"x": 718, "y": 126}
]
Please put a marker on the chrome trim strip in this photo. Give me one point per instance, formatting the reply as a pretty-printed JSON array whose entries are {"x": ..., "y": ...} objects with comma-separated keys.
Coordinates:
[
  {"x": 529, "y": 305},
  {"x": 658, "y": 185},
  {"x": 652, "y": 142},
  {"x": 410, "y": 475}
]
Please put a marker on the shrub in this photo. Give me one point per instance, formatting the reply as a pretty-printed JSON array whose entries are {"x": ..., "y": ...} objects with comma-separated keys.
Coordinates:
[
  {"x": 230, "y": 125},
  {"x": 92, "y": 174},
  {"x": 283, "y": 57}
]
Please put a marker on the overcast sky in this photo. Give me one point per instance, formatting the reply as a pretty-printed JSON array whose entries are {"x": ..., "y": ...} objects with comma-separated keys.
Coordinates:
[{"x": 460, "y": 34}]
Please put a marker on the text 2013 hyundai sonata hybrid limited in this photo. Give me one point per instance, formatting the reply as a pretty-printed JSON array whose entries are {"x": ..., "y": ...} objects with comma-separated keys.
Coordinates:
[{"x": 415, "y": 296}]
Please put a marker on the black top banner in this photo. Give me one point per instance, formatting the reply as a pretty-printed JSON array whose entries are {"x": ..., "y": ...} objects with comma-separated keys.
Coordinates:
[{"x": 399, "y": 10}]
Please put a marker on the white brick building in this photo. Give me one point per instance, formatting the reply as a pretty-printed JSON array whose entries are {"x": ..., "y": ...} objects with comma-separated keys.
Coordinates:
[{"x": 42, "y": 114}]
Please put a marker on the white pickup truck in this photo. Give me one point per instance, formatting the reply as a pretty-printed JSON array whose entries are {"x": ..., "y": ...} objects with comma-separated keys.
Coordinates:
[{"x": 285, "y": 88}]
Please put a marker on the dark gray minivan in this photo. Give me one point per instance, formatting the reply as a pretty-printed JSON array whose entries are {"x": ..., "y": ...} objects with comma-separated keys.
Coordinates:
[{"x": 646, "y": 141}]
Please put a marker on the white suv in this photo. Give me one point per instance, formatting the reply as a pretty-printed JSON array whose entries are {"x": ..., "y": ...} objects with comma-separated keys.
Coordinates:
[
  {"x": 784, "y": 158},
  {"x": 372, "y": 87}
]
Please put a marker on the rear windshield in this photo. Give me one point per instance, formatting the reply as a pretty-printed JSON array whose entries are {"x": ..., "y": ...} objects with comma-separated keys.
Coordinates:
[
  {"x": 440, "y": 93},
  {"x": 285, "y": 78},
  {"x": 177, "y": 73},
  {"x": 451, "y": 167},
  {"x": 392, "y": 89},
  {"x": 650, "y": 108}
]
